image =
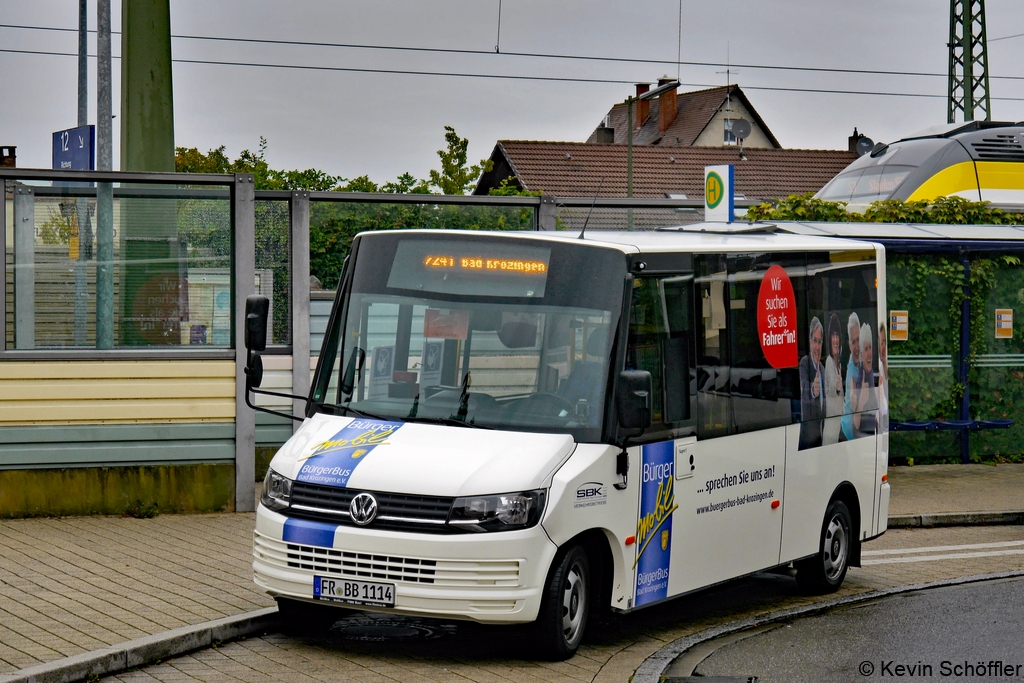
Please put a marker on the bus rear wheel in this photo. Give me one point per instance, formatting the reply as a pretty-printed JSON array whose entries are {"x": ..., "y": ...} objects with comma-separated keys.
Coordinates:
[
  {"x": 826, "y": 571},
  {"x": 565, "y": 606}
]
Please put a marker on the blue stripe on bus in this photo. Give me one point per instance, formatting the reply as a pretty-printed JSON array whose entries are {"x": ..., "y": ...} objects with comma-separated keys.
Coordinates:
[{"x": 309, "y": 533}]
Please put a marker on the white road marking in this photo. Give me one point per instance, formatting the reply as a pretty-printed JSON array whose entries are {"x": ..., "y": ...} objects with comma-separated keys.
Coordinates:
[
  {"x": 945, "y": 556},
  {"x": 942, "y": 548}
]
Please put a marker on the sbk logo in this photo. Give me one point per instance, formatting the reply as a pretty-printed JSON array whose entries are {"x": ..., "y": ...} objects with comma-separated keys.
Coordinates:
[
  {"x": 591, "y": 493},
  {"x": 363, "y": 509}
]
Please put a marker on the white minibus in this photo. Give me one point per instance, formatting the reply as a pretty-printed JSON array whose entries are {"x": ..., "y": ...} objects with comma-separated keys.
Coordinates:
[{"x": 528, "y": 427}]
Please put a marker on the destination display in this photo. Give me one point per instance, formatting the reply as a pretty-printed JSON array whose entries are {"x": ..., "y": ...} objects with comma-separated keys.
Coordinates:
[
  {"x": 472, "y": 268},
  {"x": 515, "y": 266}
]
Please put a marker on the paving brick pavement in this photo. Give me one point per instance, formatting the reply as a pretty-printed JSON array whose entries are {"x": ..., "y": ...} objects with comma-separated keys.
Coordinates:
[
  {"x": 383, "y": 648},
  {"x": 74, "y": 584},
  {"x": 956, "y": 488}
]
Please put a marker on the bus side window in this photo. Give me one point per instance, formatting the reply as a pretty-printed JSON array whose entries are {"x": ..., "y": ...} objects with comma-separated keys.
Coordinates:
[
  {"x": 676, "y": 349},
  {"x": 660, "y": 336},
  {"x": 760, "y": 393},
  {"x": 714, "y": 410}
]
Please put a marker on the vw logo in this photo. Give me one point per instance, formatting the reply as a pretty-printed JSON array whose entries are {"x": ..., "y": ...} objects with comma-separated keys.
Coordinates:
[{"x": 363, "y": 509}]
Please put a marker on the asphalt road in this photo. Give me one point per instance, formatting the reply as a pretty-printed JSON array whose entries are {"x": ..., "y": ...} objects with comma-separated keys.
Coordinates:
[
  {"x": 935, "y": 635},
  {"x": 357, "y": 646}
]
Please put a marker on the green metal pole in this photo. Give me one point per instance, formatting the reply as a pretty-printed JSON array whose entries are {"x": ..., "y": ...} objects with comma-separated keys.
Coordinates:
[
  {"x": 986, "y": 100},
  {"x": 147, "y": 103},
  {"x": 967, "y": 46},
  {"x": 150, "y": 257}
]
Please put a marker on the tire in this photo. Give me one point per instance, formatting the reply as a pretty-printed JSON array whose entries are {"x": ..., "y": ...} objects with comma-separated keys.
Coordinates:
[
  {"x": 825, "y": 572},
  {"x": 565, "y": 606},
  {"x": 299, "y": 615}
]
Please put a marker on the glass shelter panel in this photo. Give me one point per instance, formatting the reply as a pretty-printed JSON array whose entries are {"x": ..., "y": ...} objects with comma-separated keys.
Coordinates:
[
  {"x": 922, "y": 367},
  {"x": 273, "y": 266},
  {"x": 997, "y": 372},
  {"x": 109, "y": 265}
]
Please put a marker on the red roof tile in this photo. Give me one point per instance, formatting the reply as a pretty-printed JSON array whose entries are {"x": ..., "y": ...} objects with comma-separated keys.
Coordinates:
[{"x": 574, "y": 169}]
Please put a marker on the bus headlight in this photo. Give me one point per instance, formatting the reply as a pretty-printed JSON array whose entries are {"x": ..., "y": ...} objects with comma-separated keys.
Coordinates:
[
  {"x": 277, "y": 491},
  {"x": 503, "y": 512}
]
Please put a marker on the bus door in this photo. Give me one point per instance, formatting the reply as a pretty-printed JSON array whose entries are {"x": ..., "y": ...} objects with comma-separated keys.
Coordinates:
[
  {"x": 729, "y": 478},
  {"x": 705, "y": 510}
]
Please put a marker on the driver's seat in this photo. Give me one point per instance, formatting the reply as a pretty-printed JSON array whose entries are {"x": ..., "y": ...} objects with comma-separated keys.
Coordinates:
[{"x": 585, "y": 379}]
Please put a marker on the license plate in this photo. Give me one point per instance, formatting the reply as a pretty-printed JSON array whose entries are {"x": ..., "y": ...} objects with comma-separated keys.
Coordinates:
[{"x": 354, "y": 592}]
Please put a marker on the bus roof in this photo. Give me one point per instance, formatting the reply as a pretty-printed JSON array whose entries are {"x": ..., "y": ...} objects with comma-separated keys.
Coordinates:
[
  {"x": 695, "y": 238},
  {"x": 896, "y": 231}
]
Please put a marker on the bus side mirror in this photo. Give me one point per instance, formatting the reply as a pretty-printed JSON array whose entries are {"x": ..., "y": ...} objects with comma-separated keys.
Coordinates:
[
  {"x": 633, "y": 399},
  {"x": 257, "y": 308}
]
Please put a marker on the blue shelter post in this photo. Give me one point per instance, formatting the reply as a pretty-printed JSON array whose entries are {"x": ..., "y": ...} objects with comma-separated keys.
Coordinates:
[{"x": 965, "y": 354}]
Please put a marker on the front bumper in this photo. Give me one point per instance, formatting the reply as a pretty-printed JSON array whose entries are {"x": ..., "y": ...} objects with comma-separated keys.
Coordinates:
[{"x": 488, "y": 577}]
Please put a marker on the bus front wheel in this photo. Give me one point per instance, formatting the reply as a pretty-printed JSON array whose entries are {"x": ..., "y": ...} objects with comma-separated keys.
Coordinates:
[
  {"x": 565, "y": 605},
  {"x": 825, "y": 572}
]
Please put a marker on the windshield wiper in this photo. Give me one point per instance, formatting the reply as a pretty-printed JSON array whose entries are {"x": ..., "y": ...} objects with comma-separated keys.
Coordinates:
[
  {"x": 454, "y": 422},
  {"x": 464, "y": 399},
  {"x": 364, "y": 414}
]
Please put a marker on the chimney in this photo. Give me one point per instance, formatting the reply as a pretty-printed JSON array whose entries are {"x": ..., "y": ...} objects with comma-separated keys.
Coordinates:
[
  {"x": 8, "y": 157},
  {"x": 643, "y": 107},
  {"x": 853, "y": 139},
  {"x": 605, "y": 134},
  {"x": 667, "y": 106}
]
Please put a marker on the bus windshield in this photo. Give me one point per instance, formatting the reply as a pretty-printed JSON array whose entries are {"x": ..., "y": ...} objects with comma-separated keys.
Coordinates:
[{"x": 474, "y": 331}]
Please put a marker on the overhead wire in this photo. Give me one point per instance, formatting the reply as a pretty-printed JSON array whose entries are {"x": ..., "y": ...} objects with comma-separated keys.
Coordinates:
[
  {"x": 1015, "y": 35},
  {"x": 540, "y": 55},
  {"x": 516, "y": 77}
]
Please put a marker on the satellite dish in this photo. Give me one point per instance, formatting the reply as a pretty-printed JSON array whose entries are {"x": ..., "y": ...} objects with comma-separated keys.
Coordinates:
[
  {"x": 864, "y": 145},
  {"x": 741, "y": 129}
]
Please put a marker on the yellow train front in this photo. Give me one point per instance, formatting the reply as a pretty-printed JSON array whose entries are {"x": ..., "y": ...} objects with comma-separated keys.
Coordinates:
[{"x": 978, "y": 160}]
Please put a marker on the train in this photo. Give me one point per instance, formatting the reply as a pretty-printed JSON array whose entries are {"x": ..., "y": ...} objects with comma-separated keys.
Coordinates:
[{"x": 977, "y": 160}]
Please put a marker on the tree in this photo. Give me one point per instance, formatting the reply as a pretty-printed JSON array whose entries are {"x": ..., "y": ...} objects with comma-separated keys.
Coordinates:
[
  {"x": 191, "y": 160},
  {"x": 455, "y": 177},
  {"x": 333, "y": 225},
  {"x": 941, "y": 210}
]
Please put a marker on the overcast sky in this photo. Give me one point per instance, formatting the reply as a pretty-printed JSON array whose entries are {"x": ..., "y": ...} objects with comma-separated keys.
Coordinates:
[{"x": 378, "y": 124}]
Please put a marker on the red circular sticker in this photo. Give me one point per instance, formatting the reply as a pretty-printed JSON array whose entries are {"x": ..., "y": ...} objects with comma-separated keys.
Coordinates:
[{"x": 776, "y": 318}]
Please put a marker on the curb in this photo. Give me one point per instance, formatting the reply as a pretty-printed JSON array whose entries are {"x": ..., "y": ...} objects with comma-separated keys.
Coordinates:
[
  {"x": 654, "y": 666},
  {"x": 955, "y": 519},
  {"x": 142, "y": 651}
]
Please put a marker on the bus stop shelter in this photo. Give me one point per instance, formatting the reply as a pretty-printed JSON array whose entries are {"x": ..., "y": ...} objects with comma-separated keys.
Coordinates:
[{"x": 955, "y": 361}]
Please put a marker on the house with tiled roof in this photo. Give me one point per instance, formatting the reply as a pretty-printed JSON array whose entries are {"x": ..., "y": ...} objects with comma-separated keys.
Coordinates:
[
  {"x": 675, "y": 136},
  {"x": 576, "y": 169},
  {"x": 689, "y": 119}
]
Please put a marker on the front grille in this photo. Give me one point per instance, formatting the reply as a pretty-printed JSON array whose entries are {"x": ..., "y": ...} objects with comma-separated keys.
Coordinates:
[
  {"x": 1006, "y": 147},
  {"x": 360, "y": 565},
  {"x": 373, "y": 567},
  {"x": 397, "y": 511}
]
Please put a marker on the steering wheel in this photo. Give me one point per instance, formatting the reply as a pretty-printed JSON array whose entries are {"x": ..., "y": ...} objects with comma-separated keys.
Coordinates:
[{"x": 549, "y": 405}]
